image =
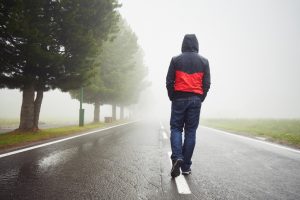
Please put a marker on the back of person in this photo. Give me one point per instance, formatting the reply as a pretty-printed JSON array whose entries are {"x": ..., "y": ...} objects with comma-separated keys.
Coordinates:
[
  {"x": 187, "y": 82},
  {"x": 192, "y": 76}
]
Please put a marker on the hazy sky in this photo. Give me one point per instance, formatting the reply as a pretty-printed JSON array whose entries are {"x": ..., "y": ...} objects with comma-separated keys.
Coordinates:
[{"x": 253, "y": 47}]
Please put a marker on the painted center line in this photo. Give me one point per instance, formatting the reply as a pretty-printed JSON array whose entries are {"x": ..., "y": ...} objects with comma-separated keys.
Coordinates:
[
  {"x": 182, "y": 185},
  {"x": 161, "y": 126},
  {"x": 163, "y": 132},
  {"x": 165, "y": 136}
]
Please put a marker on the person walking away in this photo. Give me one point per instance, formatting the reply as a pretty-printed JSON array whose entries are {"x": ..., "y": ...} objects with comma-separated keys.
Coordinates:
[{"x": 187, "y": 82}]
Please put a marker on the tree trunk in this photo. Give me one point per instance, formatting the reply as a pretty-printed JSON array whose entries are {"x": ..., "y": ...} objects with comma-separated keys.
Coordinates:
[
  {"x": 96, "y": 112},
  {"x": 122, "y": 112},
  {"x": 114, "y": 112},
  {"x": 27, "y": 109},
  {"x": 37, "y": 108}
]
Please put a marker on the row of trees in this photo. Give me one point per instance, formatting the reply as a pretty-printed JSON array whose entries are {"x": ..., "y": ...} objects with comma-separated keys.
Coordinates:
[
  {"x": 63, "y": 44},
  {"x": 120, "y": 73}
]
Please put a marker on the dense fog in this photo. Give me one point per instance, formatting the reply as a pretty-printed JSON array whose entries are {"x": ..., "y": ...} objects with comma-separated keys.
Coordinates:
[{"x": 252, "y": 46}]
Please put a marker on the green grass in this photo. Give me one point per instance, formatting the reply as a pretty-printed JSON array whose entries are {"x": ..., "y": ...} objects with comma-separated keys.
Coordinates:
[
  {"x": 284, "y": 131},
  {"x": 8, "y": 122},
  {"x": 15, "y": 138}
]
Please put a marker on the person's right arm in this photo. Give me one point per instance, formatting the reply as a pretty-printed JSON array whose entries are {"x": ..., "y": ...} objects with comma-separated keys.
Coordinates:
[{"x": 170, "y": 80}]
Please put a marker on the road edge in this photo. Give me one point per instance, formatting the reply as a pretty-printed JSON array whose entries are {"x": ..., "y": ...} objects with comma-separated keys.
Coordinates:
[
  {"x": 254, "y": 139},
  {"x": 39, "y": 144}
]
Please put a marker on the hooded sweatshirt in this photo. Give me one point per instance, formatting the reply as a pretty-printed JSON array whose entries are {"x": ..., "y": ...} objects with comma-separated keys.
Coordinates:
[{"x": 188, "y": 73}]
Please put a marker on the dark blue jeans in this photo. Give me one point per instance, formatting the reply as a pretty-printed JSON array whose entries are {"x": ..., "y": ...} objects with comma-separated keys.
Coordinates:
[{"x": 185, "y": 115}]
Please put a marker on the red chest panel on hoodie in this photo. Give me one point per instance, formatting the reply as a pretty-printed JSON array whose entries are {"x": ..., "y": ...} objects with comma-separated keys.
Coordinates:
[{"x": 185, "y": 82}]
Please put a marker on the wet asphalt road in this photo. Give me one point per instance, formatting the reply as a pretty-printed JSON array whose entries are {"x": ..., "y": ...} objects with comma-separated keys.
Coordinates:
[{"x": 131, "y": 162}]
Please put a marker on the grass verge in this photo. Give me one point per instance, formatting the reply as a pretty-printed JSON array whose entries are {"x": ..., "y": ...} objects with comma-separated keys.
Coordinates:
[
  {"x": 283, "y": 131},
  {"x": 16, "y": 138},
  {"x": 8, "y": 122}
]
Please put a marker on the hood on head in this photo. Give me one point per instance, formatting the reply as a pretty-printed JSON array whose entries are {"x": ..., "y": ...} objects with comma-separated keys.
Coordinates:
[{"x": 190, "y": 43}]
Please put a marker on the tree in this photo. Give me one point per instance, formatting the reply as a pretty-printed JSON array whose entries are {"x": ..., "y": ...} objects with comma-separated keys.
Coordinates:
[
  {"x": 120, "y": 71},
  {"x": 93, "y": 94},
  {"x": 50, "y": 44},
  {"x": 128, "y": 70},
  {"x": 133, "y": 83}
]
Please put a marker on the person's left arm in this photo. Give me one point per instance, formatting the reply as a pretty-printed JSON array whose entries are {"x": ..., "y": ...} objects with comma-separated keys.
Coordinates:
[{"x": 206, "y": 80}]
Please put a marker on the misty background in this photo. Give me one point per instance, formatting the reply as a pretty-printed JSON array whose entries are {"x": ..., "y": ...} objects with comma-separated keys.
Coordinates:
[{"x": 253, "y": 47}]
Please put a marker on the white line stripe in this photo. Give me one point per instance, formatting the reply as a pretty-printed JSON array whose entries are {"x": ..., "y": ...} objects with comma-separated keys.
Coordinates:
[
  {"x": 161, "y": 126},
  {"x": 182, "y": 186},
  {"x": 165, "y": 136},
  {"x": 57, "y": 141},
  {"x": 255, "y": 140}
]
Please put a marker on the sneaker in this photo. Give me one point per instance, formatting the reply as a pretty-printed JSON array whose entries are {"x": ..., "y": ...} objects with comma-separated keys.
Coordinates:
[
  {"x": 175, "y": 171},
  {"x": 186, "y": 172}
]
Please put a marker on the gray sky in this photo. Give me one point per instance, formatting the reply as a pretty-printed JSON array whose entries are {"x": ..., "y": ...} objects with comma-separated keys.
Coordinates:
[{"x": 253, "y": 47}]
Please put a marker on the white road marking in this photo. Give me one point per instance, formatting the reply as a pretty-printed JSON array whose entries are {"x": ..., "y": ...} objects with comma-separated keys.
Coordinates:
[
  {"x": 165, "y": 136},
  {"x": 161, "y": 126},
  {"x": 182, "y": 186},
  {"x": 57, "y": 141},
  {"x": 255, "y": 140},
  {"x": 261, "y": 138}
]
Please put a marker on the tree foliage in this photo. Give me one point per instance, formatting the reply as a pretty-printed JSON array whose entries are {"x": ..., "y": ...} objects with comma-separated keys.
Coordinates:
[
  {"x": 120, "y": 71},
  {"x": 52, "y": 43},
  {"x": 49, "y": 44}
]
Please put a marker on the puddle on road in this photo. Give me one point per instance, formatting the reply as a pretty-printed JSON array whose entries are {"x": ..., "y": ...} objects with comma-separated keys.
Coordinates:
[
  {"x": 87, "y": 146},
  {"x": 56, "y": 158}
]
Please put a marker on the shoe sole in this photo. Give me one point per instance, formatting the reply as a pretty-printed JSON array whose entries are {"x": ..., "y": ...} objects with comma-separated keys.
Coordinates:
[
  {"x": 186, "y": 173},
  {"x": 176, "y": 168}
]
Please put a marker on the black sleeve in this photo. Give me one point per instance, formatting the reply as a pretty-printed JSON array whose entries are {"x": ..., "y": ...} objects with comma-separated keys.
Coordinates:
[
  {"x": 206, "y": 81},
  {"x": 170, "y": 80}
]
